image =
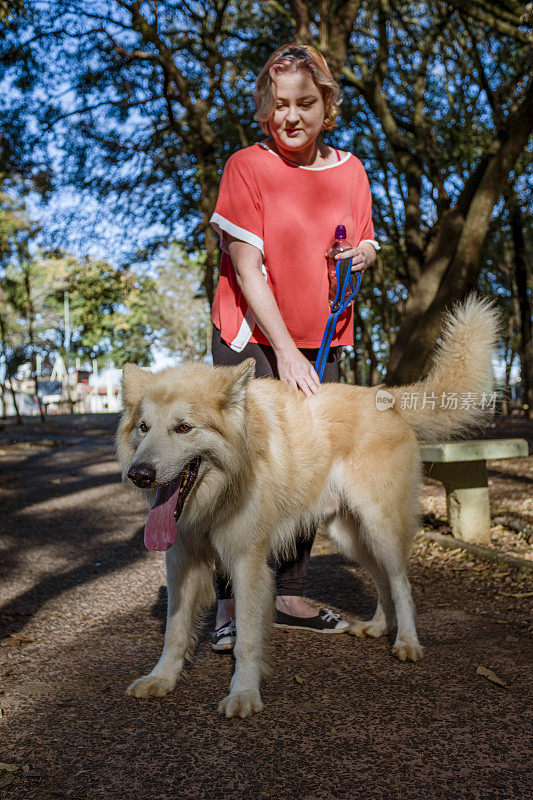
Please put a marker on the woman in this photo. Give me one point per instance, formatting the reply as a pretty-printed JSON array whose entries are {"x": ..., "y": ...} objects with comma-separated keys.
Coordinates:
[{"x": 278, "y": 206}]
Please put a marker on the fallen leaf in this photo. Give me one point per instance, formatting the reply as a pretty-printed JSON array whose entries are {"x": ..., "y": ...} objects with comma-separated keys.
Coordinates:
[
  {"x": 9, "y": 767},
  {"x": 16, "y": 639},
  {"x": 298, "y": 679},
  {"x": 455, "y": 551},
  {"x": 491, "y": 676},
  {"x": 517, "y": 595}
]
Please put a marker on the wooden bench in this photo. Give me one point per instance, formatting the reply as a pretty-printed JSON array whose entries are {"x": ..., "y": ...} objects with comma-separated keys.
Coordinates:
[{"x": 462, "y": 468}]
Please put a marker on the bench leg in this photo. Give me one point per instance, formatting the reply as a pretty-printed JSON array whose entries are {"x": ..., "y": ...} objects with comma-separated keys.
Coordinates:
[{"x": 467, "y": 498}]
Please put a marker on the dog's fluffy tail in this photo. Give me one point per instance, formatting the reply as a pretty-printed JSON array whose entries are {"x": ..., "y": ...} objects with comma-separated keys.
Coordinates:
[{"x": 456, "y": 395}]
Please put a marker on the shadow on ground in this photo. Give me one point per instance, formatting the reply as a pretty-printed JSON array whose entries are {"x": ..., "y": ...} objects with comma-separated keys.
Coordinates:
[{"x": 84, "y": 605}]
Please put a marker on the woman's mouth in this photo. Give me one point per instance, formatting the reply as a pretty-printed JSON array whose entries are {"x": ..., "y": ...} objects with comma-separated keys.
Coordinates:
[{"x": 292, "y": 131}]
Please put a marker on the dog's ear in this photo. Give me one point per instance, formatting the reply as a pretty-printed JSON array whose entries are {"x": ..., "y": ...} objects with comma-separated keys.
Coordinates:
[
  {"x": 238, "y": 386},
  {"x": 134, "y": 383}
]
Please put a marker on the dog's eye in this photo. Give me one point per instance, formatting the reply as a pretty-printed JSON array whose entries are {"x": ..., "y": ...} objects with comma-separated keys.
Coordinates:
[
  {"x": 143, "y": 426},
  {"x": 183, "y": 428}
]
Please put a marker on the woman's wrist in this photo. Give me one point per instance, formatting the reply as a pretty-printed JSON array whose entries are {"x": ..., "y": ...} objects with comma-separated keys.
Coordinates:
[
  {"x": 284, "y": 347},
  {"x": 370, "y": 253}
]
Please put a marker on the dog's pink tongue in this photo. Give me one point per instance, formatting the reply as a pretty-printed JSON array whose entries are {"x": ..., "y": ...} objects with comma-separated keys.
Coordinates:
[{"x": 160, "y": 529}]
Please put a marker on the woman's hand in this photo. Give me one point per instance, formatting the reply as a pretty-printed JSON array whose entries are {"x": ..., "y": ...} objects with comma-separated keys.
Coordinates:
[
  {"x": 294, "y": 368},
  {"x": 362, "y": 256}
]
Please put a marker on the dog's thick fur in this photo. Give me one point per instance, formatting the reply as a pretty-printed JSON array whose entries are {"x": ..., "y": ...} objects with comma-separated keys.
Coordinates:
[{"x": 273, "y": 460}]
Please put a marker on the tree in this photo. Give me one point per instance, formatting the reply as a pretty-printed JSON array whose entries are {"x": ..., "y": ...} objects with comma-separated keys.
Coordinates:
[
  {"x": 177, "y": 307},
  {"x": 12, "y": 355},
  {"x": 108, "y": 313},
  {"x": 437, "y": 103},
  {"x": 419, "y": 57},
  {"x": 524, "y": 305},
  {"x": 504, "y": 275},
  {"x": 19, "y": 276},
  {"x": 156, "y": 101}
]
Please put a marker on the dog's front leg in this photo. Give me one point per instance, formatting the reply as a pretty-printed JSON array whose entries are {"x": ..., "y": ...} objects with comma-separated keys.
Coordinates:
[
  {"x": 253, "y": 589},
  {"x": 189, "y": 587}
]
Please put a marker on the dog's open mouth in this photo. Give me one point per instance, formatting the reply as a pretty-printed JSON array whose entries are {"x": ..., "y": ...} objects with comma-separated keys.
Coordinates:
[{"x": 160, "y": 530}]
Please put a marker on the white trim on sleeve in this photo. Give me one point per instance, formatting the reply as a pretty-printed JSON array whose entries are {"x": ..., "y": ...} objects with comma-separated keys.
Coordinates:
[
  {"x": 373, "y": 242},
  {"x": 223, "y": 225},
  {"x": 244, "y": 334}
]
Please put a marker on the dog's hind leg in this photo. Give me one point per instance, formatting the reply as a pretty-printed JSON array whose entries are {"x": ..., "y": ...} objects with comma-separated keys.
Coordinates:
[
  {"x": 190, "y": 589},
  {"x": 380, "y": 544},
  {"x": 406, "y": 647},
  {"x": 253, "y": 589},
  {"x": 345, "y": 531},
  {"x": 386, "y": 536}
]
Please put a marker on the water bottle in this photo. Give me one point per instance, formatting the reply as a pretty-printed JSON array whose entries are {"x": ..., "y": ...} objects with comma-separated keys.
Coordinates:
[{"x": 338, "y": 244}]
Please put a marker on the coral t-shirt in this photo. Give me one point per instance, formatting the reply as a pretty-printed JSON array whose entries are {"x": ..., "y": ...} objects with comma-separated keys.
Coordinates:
[{"x": 290, "y": 214}]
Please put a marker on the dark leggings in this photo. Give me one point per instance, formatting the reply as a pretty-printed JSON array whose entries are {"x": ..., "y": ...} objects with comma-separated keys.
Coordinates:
[{"x": 290, "y": 574}]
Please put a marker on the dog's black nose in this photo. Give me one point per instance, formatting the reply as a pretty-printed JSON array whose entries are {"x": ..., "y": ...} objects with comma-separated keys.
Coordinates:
[{"x": 142, "y": 475}]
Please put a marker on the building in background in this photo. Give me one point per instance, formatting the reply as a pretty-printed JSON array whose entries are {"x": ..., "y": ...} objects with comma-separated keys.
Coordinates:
[{"x": 79, "y": 390}]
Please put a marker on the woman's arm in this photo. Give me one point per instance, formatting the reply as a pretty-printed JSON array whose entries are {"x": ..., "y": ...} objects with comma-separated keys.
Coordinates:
[{"x": 293, "y": 367}]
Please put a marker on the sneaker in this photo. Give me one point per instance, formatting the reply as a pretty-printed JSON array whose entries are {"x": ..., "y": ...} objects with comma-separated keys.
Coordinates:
[
  {"x": 325, "y": 622},
  {"x": 224, "y": 638}
]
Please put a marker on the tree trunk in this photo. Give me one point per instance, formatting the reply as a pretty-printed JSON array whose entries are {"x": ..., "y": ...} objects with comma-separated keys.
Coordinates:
[
  {"x": 520, "y": 269},
  {"x": 452, "y": 262},
  {"x": 209, "y": 189},
  {"x": 335, "y": 28},
  {"x": 3, "y": 343},
  {"x": 8, "y": 378},
  {"x": 509, "y": 358},
  {"x": 368, "y": 346},
  {"x": 15, "y": 405},
  {"x": 33, "y": 360}
]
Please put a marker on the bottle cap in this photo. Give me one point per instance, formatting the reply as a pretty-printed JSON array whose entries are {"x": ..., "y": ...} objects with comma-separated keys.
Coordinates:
[{"x": 340, "y": 232}]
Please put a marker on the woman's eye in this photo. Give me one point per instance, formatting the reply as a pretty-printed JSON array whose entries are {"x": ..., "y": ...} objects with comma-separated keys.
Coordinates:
[
  {"x": 183, "y": 428},
  {"x": 143, "y": 426}
]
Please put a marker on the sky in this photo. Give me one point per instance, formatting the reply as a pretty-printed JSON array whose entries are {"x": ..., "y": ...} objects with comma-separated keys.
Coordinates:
[{"x": 86, "y": 226}]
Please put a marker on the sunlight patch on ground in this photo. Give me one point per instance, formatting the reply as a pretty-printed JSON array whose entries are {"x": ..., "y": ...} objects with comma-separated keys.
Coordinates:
[{"x": 94, "y": 497}]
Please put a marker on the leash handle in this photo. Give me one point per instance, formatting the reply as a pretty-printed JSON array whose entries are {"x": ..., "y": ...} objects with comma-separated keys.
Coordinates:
[
  {"x": 344, "y": 279},
  {"x": 340, "y": 304}
]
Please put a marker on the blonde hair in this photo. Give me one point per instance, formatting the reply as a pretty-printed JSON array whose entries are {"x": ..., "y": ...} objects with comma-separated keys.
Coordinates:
[{"x": 296, "y": 57}]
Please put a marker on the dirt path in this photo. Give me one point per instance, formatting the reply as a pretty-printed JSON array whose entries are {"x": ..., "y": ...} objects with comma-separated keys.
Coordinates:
[{"x": 82, "y": 606}]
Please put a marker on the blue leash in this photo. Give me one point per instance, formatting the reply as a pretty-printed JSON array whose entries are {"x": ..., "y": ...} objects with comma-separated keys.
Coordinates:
[{"x": 344, "y": 284}]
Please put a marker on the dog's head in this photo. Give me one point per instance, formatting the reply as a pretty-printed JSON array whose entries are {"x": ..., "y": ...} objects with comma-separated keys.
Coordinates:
[{"x": 181, "y": 427}]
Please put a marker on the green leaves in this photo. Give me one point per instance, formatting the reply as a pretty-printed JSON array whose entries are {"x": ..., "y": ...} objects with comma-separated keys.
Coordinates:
[
  {"x": 108, "y": 314},
  {"x": 177, "y": 307}
]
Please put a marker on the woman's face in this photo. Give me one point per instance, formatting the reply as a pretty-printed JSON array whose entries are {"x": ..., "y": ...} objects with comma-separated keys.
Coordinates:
[{"x": 298, "y": 111}]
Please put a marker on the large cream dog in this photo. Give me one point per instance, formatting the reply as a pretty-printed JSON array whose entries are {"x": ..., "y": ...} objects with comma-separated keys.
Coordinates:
[{"x": 238, "y": 465}]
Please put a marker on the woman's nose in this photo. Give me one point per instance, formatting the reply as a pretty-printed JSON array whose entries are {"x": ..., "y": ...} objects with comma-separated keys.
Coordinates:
[{"x": 293, "y": 114}]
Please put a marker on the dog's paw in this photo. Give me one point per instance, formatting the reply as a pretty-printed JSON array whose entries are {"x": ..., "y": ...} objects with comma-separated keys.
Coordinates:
[
  {"x": 241, "y": 704},
  {"x": 408, "y": 651},
  {"x": 370, "y": 628},
  {"x": 150, "y": 686}
]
